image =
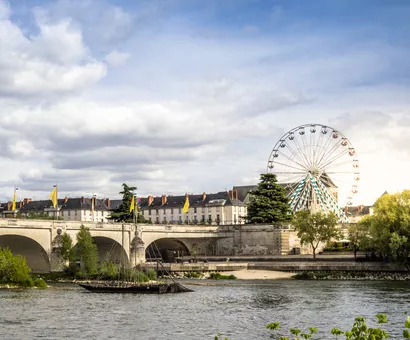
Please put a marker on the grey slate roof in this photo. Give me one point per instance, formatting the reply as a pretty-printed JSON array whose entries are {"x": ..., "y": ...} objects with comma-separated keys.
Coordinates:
[{"x": 194, "y": 201}]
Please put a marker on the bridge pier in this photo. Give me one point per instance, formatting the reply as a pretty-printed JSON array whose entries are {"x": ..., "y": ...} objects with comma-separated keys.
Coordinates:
[{"x": 137, "y": 251}]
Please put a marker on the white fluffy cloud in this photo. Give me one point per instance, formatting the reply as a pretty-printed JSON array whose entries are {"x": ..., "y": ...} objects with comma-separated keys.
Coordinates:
[{"x": 54, "y": 60}]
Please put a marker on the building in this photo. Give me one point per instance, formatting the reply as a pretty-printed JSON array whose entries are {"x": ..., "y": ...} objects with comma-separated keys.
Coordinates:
[
  {"x": 69, "y": 209},
  {"x": 221, "y": 208}
]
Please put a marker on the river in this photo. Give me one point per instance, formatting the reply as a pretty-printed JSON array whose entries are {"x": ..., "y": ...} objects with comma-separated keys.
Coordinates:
[{"x": 238, "y": 309}]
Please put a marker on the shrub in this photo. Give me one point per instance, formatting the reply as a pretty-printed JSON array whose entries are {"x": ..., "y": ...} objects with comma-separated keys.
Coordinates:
[
  {"x": 13, "y": 268},
  {"x": 151, "y": 274},
  {"x": 219, "y": 276},
  {"x": 40, "y": 283}
]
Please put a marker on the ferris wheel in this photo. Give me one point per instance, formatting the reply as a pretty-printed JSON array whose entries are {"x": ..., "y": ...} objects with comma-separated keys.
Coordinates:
[{"x": 318, "y": 167}]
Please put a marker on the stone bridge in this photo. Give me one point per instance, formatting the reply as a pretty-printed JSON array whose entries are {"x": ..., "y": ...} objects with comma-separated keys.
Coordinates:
[{"x": 40, "y": 240}]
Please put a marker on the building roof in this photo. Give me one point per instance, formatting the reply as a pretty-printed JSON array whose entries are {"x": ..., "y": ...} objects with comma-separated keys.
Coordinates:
[
  {"x": 243, "y": 190},
  {"x": 219, "y": 198}
]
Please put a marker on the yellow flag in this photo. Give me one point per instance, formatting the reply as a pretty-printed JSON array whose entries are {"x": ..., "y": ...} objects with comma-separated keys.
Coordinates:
[
  {"x": 13, "y": 205},
  {"x": 132, "y": 205},
  {"x": 185, "y": 209},
  {"x": 53, "y": 197}
]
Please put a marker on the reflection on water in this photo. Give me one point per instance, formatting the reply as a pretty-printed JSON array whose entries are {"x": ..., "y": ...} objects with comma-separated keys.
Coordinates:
[{"x": 239, "y": 310}]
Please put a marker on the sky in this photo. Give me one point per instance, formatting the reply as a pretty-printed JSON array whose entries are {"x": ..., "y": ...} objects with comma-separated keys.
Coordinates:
[{"x": 176, "y": 96}]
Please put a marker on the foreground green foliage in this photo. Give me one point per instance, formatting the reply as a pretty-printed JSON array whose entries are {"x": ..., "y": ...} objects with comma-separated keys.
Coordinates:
[
  {"x": 388, "y": 229},
  {"x": 359, "y": 331},
  {"x": 86, "y": 252},
  {"x": 314, "y": 228},
  {"x": 15, "y": 271},
  {"x": 268, "y": 203}
]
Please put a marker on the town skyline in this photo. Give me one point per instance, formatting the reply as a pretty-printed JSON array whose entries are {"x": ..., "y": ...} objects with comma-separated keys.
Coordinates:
[{"x": 192, "y": 98}]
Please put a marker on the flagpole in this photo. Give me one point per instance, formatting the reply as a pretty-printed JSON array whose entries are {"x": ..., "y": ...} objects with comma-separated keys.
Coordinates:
[
  {"x": 56, "y": 186},
  {"x": 135, "y": 216}
]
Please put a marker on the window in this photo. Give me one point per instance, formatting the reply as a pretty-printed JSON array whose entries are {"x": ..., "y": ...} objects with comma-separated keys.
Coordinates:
[
  {"x": 75, "y": 212},
  {"x": 157, "y": 211},
  {"x": 209, "y": 218},
  {"x": 172, "y": 211},
  {"x": 150, "y": 220},
  {"x": 149, "y": 212},
  {"x": 234, "y": 218},
  {"x": 157, "y": 219},
  {"x": 68, "y": 213},
  {"x": 195, "y": 220},
  {"x": 203, "y": 210},
  {"x": 194, "y": 210},
  {"x": 180, "y": 219},
  {"x": 217, "y": 219},
  {"x": 203, "y": 218},
  {"x": 179, "y": 210}
]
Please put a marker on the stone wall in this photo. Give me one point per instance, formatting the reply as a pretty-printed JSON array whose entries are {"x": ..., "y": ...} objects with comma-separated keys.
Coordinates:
[{"x": 257, "y": 240}]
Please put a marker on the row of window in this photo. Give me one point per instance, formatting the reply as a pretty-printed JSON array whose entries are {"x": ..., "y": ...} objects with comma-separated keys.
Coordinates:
[
  {"x": 179, "y": 210},
  {"x": 195, "y": 220}
]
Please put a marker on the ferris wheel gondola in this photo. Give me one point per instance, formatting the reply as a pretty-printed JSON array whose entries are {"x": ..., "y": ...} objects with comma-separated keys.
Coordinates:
[{"x": 318, "y": 167}]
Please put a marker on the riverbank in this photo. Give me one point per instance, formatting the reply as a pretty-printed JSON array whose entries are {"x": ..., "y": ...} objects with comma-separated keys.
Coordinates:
[
  {"x": 259, "y": 274},
  {"x": 360, "y": 276}
]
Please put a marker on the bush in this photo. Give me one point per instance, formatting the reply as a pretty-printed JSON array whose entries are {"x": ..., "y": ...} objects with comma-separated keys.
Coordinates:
[
  {"x": 192, "y": 275},
  {"x": 219, "y": 276},
  {"x": 40, "y": 283},
  {"x": 151, "y": 274},
  {"x": 108, "y": 271},
  {"x": 13, "y": 268}
]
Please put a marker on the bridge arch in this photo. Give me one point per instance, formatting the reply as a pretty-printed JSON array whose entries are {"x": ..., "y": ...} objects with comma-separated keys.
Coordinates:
[
  {"x": 108, "y": 249},
  {"x": 36, "y": 256},
  {"x": 166, "y": 249}
]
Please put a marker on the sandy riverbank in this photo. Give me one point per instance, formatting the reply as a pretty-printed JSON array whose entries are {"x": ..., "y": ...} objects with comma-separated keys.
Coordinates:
[{"x": 259, "y": 274}]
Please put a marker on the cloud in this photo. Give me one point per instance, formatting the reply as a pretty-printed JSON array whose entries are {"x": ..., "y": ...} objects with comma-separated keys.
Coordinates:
[
  {"x": 116, "y": 58},
  {"x": 53, "y": 61}
]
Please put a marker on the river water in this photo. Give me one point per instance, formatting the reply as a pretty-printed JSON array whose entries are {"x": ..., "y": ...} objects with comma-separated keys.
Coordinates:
[{"x": 238, "y": 309}]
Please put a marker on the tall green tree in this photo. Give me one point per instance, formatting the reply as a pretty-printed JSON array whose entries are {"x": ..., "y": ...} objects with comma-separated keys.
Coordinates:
[
  {"x": 122, "y": 213},
  {"x": 389, "y": 226},
  {"x": 314, "y": 228},
  {"x": 268, "y": 203},
  {"x": 87, "y": 252},
  {"x": 66, "y": 247}
]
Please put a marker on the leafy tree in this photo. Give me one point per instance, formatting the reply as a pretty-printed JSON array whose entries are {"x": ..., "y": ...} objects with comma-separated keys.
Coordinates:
[
  {"x": 389, "y": 227},
  {"x": 358, "y": 237},
  {"x": 13, "y": 268},
  {"x": 66, "y": 246},
  {"x": 86, "y": 251},
  {"x": 122, "y": 213},
  {"x": 268, "y": 203},
  {"x": 313, "y": 228}
]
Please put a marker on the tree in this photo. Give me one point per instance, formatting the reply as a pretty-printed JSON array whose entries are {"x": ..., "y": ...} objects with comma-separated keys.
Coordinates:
[
  {"x": 66, "y": 247},
  {"x": 87, "y": 251},
  {"x": 389, "y": 226},
  {"x": 313, "y": 228},
  {"x": 268, "y": 203},
  {"x": 13, "y": 268},
  {"x": 122, "y": 213},
  {"x": 358, "y": 237}
]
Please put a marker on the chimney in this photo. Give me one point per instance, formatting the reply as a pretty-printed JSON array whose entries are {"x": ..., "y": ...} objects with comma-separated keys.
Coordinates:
[
  {"x": 82, "y": 200},
  {"x": 150, "y": 200},
  {"x": 65, "y": 200},
  {"x": 21, "y": 204},
  {"x": 26, "y": 200},
  {"x": 107, "y": 203},
  {"x": 203, "y": 196},
  {"x": 235, "y": 194},
  {"x": 163, "y": 200},
  {"x": 230, "y": 193},
  {"x": 9, "y": 205}
]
